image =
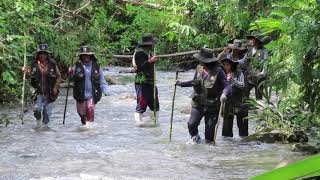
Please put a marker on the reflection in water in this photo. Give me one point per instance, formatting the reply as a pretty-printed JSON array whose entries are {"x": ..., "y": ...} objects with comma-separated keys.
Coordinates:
[{"x": 117, "y": 149}]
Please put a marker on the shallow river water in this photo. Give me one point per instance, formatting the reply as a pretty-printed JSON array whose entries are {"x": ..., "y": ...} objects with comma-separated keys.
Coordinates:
[{"x": 117, "y": 149}]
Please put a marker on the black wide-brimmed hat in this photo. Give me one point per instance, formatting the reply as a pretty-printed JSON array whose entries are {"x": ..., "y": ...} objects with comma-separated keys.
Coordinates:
[
  {"x": 227, "y": 57},
  {"x": 148, "y": 40},
  {"x": 205, "y": 56},
  {"x": 85, "y": 50},
  {"x": 237, "y": 44},
  {"x": 255, "y": 35},
  {"x": 43, "y": 48}
]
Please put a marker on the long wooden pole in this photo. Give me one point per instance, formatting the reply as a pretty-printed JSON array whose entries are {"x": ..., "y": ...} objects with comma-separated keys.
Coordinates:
[
  {"x": 216, "y": 127},
  {"x": 172, "y": 106},
  {"x": 67, "y": 95},
  {"x": 24, "y": 77},
  {"x": 154, "y": 90},
  {"x": 214, "y": 50},
  {"x": 161, "y": 56}
]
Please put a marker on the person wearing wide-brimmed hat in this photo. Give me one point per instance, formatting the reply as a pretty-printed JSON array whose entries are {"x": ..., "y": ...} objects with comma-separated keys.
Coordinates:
[
  {"x": 236, "y": 49},
  {"x": 234, "y": 105},
  {"x": 210, "y": 89},
  {"x": 255, "y": 65},
  {"x": 89, "y": 85},
  {"x": 143, "y": 62},
  {"x": 45, "y": 78}
]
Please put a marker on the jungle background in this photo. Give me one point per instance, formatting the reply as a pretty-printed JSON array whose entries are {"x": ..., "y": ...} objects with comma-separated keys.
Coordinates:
[{"x": 116, "y": 26}]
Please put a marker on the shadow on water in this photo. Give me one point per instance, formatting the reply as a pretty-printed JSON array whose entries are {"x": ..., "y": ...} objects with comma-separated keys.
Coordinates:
[{"x": 117, "y": 149}]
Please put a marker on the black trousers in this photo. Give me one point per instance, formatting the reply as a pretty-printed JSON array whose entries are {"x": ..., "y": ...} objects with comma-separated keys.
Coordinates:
[
  {"x": 242, "y": 124},
  {"x": 210, "y": 119},
  {"x": 145, "y": 98}
]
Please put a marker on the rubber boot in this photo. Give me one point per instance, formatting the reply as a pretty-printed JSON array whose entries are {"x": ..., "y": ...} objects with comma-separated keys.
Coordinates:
[
  {"x": 138, "y": 118},
  {"x": 38, "y": 124},
  {"x": 90, "y": 125}
]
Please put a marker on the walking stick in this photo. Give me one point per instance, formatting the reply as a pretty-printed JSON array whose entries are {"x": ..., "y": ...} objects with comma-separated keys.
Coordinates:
[
  {"x": 216, "y": 127},
  {"x": 154, "y": 90},
  {"x": 172, "y": 106},
  {"x": 66, "y": 102},
  {"x": 24, "y": 77}
]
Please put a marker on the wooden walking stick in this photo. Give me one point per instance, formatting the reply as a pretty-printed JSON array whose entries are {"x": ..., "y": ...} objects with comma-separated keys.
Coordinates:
[
  {"x": 172, "y": 106},
  {"x": 24, "y": 77},
  {"x": 66, "y": 102},
  {"x": 154, "y": 91},
  {"x": 220, "y": 116}
]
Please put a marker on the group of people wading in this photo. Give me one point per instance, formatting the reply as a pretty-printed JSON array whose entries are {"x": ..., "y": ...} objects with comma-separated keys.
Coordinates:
[{"x": 221, "y": 85}]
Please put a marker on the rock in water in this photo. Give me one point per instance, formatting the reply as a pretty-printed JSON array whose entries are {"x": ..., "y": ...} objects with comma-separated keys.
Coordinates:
[
  {"x": 266, "y": 136},
  {"x": 306, "y": 148},
  {"x": 298, "y": 136},
  {"x": 129, "y": 96},
  {"x": 113, "y": 81},
  {"x": 65, "y": 85},
  {"x": 131, "y": 70}
]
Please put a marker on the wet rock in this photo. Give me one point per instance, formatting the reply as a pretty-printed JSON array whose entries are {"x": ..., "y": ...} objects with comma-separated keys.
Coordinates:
[
  {"x": 306, "y": 148},
  {"x": 129, "y": 96},
  {"x": 186, "y": 110},
  {"x": 113, "y": 81},
  {"x": 65, "y": 84},
  {"x": 298, "y": 136},
  {"x": 131, "y": 70},
  {"x": 266, "y": 136}
]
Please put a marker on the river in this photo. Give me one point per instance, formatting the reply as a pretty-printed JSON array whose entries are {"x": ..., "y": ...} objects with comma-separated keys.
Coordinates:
[{"x": 117, "y": 149}]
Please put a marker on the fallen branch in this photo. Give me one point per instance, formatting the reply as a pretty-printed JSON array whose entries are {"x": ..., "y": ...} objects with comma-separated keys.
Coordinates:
[{"x": 215, "y": 50}]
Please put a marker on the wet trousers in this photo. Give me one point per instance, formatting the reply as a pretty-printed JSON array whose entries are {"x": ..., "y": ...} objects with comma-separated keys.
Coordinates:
[
  {"x": 85, "y": 110},
  {"x": 42, "y": 108},
  {"x": 145, "y": 98},
  {"x": 242, "y": 122},
  {"x": 210, "y": 119}
]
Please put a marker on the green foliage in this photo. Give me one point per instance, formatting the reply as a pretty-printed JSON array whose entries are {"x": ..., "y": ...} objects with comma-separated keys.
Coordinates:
[
  {"x": 295, "y": 64},
  {"x": 304, "y": 169}
]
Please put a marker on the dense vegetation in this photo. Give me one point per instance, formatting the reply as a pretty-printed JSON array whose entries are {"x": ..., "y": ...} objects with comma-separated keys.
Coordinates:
[{"x": 115, "y": 27}]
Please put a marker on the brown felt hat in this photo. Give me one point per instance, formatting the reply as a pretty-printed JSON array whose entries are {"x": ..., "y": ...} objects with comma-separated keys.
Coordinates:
[
  {"x": 236, "y": 44},
  {"x": 148, "y": 40},
  {"x": 205, "y": 56}
]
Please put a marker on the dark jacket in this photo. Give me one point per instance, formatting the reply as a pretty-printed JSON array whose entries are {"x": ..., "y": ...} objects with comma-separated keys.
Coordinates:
[
  {"x": 79, "y": 82},
  {"x": 208, "y": 89},
  {"x": 51, "y": 79},
  {"x": 144, "y": 70}
]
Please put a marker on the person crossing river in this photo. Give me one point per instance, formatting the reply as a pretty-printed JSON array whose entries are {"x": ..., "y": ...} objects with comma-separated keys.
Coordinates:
[
  {"x": 143, "y": 63},
  {"x": 89, "y": 84},
  {"x": 210, "y": 89},
  {"x": 45, "y": 79},
  {"x": 235, "y": 105}
]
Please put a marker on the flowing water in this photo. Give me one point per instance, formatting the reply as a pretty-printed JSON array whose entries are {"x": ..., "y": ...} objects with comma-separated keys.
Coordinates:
[{"x": 117, "y": 149}]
